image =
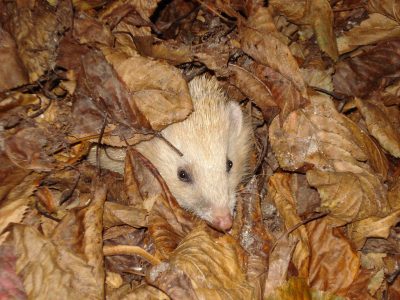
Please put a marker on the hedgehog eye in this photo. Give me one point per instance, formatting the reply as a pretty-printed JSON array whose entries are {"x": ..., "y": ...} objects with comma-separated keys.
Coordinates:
[
  {"x": 184, "y": 176},
  {"x": 229, "y": 165}
]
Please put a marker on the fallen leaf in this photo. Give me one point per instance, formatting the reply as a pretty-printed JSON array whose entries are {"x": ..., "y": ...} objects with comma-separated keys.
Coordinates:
[
  {"x": 375, "y": 29},
  {"x": 37, "y": 28},
  {"x": 379, "y": 126},
  {"x": 261, "y": 40},
  {"x": 211, "y": 266},
  {"x": 334, "y": 264},
  {"x": 359, "y": 75}
]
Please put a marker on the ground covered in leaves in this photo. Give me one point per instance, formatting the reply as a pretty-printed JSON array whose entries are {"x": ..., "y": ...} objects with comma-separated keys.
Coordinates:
[{"x": 316, "y": 219}]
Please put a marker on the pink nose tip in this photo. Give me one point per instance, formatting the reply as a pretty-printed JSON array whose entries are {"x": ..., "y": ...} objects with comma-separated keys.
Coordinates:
[{"x": 223, "y": 222}]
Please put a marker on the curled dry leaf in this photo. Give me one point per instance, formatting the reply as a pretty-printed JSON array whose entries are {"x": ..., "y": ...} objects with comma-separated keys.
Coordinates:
[
  {"x": 375, "y": 29},
  {"x": 261, "y": 40},
  {"x": 390, "y": 8},
  {"x": 372, "y": 227},
  {"x": 26, "y": 149},
  {"x": 15, "y": 205},
  {"x": 38, "y": 255},
  {"x": 282, "y": 195},
  {"x": 320, "y": 137},
  {"x": 252, "y": 236},
  {"x": 37, "y": 28},
  {"x": 12, "y": 72},
  {"x": 158, "y": 90},
  {"x": 116, "y": 214},
  {"x": 212, "y": 267},
  {"x": 64, "y": 273},
  {"x": 255, "y": 89},
  {"x": 359, "y": 75},
  {"x": 278, "y": 264},
  {"x": 11, "y": 286},
  {"x": 10, "y": 176},
  {"x": 88, "y": 30},
  {"x": 318, "y": 14},
  {"x": 379, "y": 125},
  {"x": 334, "y": 264}
]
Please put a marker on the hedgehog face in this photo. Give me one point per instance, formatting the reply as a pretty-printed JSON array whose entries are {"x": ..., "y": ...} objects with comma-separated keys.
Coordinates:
[{"x": 215, "y": 142}]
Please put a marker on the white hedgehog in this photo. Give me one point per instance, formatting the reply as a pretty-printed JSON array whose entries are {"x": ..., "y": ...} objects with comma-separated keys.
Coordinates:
[{"x": 215, "y": 142}]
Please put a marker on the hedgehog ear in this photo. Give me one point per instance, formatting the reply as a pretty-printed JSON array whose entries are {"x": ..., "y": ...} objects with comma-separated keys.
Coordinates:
[{"x": 235, "y": 117}]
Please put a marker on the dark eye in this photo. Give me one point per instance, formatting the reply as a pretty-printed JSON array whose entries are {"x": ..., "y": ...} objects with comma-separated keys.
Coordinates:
[
  {"x": 229, "y": 165},
  {"x": 184, "y": 176}
]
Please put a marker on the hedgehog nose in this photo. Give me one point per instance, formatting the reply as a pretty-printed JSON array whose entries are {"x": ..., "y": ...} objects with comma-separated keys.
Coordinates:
[{"x": 223, "y": 222}]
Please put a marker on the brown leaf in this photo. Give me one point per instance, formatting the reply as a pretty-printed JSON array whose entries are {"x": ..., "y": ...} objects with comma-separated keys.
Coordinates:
[
  {"x": 88, "y": 30},
  {"x": 375, "y": 29},
  {"x": 38, "y": 255},
  {"x": 37, "y": 28},
  {"x": 26, "y": 149},
  {"x": 12, "y": 72},
  {"x": 390, "y": 8},
  {"x": 10, "y": 176},
  {"x": 334, "y": 264},
  {"x": 372, "y": 227},
  {"x": 253, "y": 237},
  {"x": 116, "y": 214},
  {"x": 378, "y": 123},
  {"x": 158, "y": 90},
  {"x": 318, "y": 136},
  {"x": 15, "y": 205},
  {"x": 318, "y": 14},
  {"x": 212, "y": 267},
  {"x": 255, "y": 89},
  {"x": 359, "y": 75},
  {"x": 282, "y": 195},
  {"x": 261, "y": 40},
  {"x": 11, "y": 285}
]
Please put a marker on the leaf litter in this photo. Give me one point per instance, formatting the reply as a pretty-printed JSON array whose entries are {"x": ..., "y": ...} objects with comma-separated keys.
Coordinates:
[{"x": 318, "y": 216}]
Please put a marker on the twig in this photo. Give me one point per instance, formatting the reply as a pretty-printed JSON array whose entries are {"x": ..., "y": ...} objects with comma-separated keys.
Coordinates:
[{"x": 130, "y": 250}]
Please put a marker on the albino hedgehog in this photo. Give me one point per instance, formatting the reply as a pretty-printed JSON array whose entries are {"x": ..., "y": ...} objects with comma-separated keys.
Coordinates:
[{"x": 215, "y": 143}]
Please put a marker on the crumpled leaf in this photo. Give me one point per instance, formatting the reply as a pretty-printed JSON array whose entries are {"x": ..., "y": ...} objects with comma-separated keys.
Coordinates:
[
  {"x": 318, "y": 14},
  {"x": 261, "y": 40},
  {"x": 253, "y": 236},
  {"x": 90, "y": 31},
  {"x": 158, "y": 90},
  {"x": 379, "y": 125},
  {"x": 318, "y": 136},
  {"x": 334, "y": 264},
  {"x": 26, "y": 149},
  {"x": 375, "y": 29},
  {"x": 255, "y": 89},
  {"x": 211, "y": 265},
  {"x": 55, "y": 263},
  {"x": 12, "y": 72},
  {"x": 116, "y": 214},
  {"x": 11, "y": 286},
  {"x": 14, "y": 206},
  {"x": 372, "y": 227},
  {"x": 37, "y": 28},
  {"x": 390, "y": 8},
  {"x": 359, "y": 75},
  {"x": 282, "y": 195}
]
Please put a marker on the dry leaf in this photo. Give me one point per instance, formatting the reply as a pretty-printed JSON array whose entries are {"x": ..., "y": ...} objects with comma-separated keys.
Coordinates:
[
  {"x": 379, "y": 125},
  {"x": 211, "y": 266},
  {"x": 359, "y": 75},
  {"x": 37, "y": 27},
  {"x": 318, "y": 14},
  {"x": 390, "y": 8},
  {"x": 12, "y": 72},
  {"x": 318, "y": 136},
  {"x": 281, "y": 194},
  {"x": 334, "y": 264},
  {"x": 261, "y": 40},
  {"x": 158, "y": 90},
  {"x": 372, "y": 227},
  {"x": 116, "y": 214},
  {"x": 375, "y": 29}
]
